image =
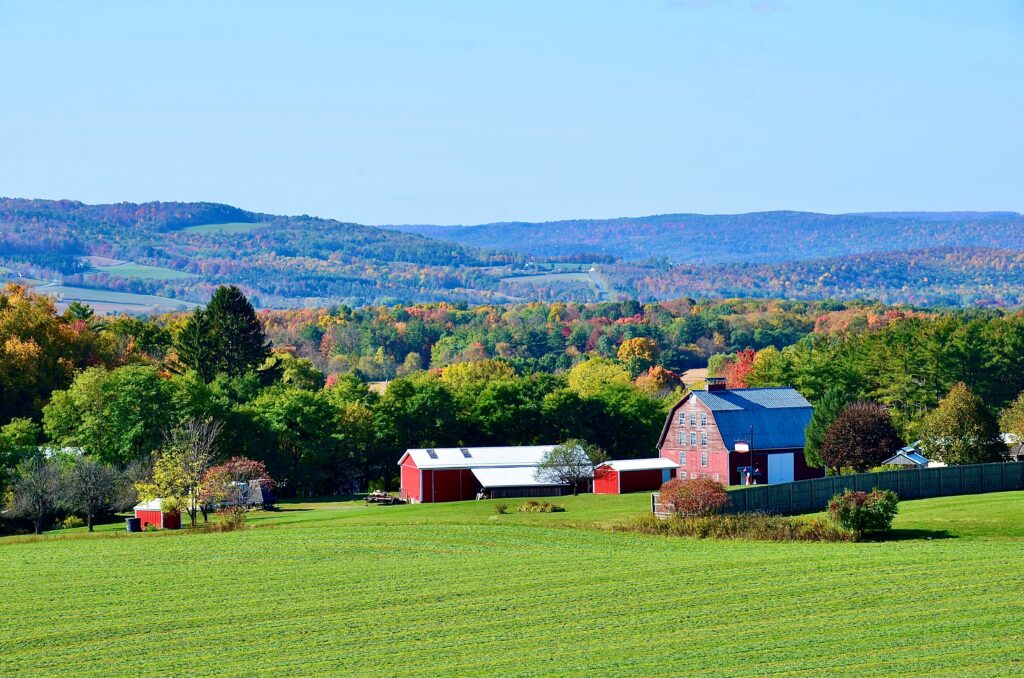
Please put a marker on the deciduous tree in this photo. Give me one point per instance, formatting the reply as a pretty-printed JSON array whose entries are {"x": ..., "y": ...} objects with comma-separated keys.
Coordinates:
[
  {"x": 571, "y": 463},
  {"x": 37, "y": 491},
  {"x": 961, "y": 430},
  {"x": 861, "y": 437},
  {"x": 90, "y": 488}
]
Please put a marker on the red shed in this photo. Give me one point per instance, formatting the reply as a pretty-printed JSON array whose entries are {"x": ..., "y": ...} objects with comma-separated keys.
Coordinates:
[
  {"x": 151, "y": 513},
  {"x": 633, "y": 475}
]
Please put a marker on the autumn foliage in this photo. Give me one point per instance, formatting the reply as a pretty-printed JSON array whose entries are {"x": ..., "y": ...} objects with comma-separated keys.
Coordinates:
[{"x": 694, "y": 497}]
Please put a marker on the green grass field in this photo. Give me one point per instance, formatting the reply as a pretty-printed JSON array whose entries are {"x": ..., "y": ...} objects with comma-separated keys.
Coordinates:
[
  {"x": 341, "y": 588},
  {"x": 131, "y": 270},
  {"x": 235, "y": 227}
]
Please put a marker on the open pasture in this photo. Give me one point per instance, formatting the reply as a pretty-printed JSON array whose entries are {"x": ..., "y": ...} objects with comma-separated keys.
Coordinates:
[
  {"x": 341, "y": 588},
  {"x": 132, "y": 270},
  {"x": 110, "y": 301}
]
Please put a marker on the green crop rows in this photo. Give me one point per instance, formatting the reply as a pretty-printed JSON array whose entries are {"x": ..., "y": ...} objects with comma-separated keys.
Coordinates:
[{"x": 338, "y": 589}]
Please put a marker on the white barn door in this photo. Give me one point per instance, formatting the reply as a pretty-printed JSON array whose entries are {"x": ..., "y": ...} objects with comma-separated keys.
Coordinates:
[{"x": 780, "y": 468}]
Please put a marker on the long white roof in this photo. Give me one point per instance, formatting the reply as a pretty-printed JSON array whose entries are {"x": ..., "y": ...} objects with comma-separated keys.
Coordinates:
[
  {"x": 151, "y": 505},
  {"x": 509, "y": 476},
  {"x": 478, "y": 457},
  {"x": 641, "y": 464}
]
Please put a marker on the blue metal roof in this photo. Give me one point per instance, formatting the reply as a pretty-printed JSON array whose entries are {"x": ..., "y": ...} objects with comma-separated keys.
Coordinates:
[
  {"x": 778, "y": 416},
  {"x": 752, "y": 399}
]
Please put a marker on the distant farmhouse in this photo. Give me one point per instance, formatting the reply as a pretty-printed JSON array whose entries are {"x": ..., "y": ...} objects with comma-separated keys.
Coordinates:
[
  {"x": 724, "y": 433},
  {"x": 462, "y": 473}
]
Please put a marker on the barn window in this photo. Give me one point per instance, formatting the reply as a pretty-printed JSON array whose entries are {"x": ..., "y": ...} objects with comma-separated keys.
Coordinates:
[
  {"x": 703, "y": 438},
  {"x": 682, "y": 437},
  {"x": 703, "y": 418},
  {"x": 432, "y": 454},
  {"x": 682, "y": 460},
  {"x": 693, "y": 418},
  {"x": 693, "y": 437},
  {"x": 704, "y": 458},
  {"x": 682, "y": 418}
]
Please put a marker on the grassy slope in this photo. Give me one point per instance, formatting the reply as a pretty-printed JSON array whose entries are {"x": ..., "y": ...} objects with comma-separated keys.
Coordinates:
[
  {"x": 132, "y": 270},
  {"x": 343, "y": 588}
]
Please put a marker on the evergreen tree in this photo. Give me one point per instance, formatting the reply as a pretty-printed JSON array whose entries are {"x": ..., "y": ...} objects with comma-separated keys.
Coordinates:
[
  {"x": 226, "y": 337},
  {"x": 826, "y": 411},
  {"x": 961, "y": 430}
]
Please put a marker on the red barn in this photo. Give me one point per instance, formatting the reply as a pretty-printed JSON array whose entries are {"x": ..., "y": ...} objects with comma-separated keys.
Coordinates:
[
  {"x": 633, "y": 475},
  {"x": 722, "y": 433},
  {"x": 151, "y": 513},
  {"x": 461, "y": 473}
]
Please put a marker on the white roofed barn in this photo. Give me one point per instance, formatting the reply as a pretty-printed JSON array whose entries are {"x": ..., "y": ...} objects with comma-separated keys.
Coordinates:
[{"x": 460, "y": 473}]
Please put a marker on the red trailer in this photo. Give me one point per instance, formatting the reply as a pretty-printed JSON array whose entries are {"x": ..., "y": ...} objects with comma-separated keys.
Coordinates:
[
  {"x": 633, "y": 475},
  {"x": 152, "y": 513}
]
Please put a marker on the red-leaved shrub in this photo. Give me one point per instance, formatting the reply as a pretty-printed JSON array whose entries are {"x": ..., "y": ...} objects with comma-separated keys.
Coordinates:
[{"x": 694, "y": 497}]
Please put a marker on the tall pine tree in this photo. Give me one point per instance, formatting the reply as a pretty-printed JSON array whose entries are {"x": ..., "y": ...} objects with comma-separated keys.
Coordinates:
[
  {"x": 225, "y": 337},
  {"x": 826, "y": 411}
]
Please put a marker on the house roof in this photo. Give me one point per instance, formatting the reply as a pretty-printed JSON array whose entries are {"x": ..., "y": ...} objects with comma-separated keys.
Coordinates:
[
  {"x": 909, "y": 454},
  {"x": 777, "y": 416},
  {"x": 478, "y": 457},
  {"x": 509, "y": 476},
  {"x": 641, "y": 464}
]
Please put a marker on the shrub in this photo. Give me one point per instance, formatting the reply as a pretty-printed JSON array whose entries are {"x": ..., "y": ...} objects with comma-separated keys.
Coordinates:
[
  {"x": 534, "y": 506},
  {"x": 754, "y": 526},
  {"x": 229, "y": 519},
  {"x": 864, "y": 512},
  {"x": 71, "y": 522},
  {"x": 500, "y": 509},
  {"x": 696, "y": 497}
]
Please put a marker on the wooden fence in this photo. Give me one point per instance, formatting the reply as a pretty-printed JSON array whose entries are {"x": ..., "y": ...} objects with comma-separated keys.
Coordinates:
[{"x": 810, "y": 496}]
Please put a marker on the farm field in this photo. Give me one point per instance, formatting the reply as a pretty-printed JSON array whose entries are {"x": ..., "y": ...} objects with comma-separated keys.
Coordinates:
[
  {"x": 110, "y": 301},
  {"x": 339, "y": 588},
  {"x": 132, "y": 270},
  {"x": 235, "y": 227}
]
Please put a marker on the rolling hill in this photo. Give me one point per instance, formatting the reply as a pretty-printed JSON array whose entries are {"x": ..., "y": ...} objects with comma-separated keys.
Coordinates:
[
  {"x": 167, "y": 255},
  {"x": 757, "y": 237}
]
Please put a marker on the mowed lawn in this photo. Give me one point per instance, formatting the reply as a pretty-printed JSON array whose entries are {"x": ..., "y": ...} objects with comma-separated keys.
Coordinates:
[{"x": 340, "y": 588}]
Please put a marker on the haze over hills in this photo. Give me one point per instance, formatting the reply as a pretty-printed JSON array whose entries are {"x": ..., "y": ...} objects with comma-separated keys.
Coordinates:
[
  {"x": 165, "y": 256},
  {"x": 757, "y": 237}
]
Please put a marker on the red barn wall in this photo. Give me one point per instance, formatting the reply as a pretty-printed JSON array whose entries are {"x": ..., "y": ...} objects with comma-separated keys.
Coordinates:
[
  {"x": 149, "y": 518},
  {"x": 801, "y": 471},
  {"x": 718, "y": 452},
  {"x": 410, "y": 481},
  {"x": 167, "y": 521},
  {"x": 172, "y": 521},
  {"x": 640, "y": 481},
  {"x": 449, "y": 485},
  {"x": 606, "y": 480}
]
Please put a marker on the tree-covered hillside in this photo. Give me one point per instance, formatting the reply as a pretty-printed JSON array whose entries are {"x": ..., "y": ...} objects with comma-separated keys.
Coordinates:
[
  {"x": 150, "y": 257},
  {"x": 757, "y": 237}
]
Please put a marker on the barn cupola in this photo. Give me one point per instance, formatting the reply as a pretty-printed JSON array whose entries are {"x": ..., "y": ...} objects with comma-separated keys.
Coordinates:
[{"x": 716, "y": 383}]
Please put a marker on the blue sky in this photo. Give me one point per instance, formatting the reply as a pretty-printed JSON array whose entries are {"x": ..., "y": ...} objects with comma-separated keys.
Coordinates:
[{"x": 470, "y": 112}]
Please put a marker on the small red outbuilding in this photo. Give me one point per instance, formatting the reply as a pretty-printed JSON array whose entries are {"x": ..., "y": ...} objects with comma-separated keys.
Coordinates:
[
  {"x": 633, "y": 475},
  {"x": 152, "y": 513}
]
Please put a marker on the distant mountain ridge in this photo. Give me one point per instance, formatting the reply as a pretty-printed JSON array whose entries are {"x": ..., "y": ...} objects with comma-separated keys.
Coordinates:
[
  {"x": 756, "y": 237},
  {"x": 167, "y": 255}
]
